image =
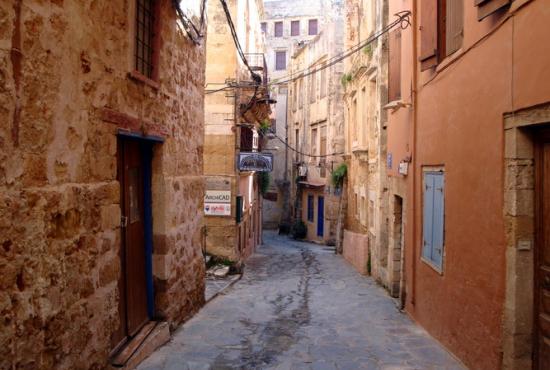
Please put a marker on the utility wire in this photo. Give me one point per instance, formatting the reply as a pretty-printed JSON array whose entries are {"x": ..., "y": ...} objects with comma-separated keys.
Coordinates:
[
  {"x": 255, "y": 77},
  {"x": 403, "y": 20},
  {"x": 305, "y": 154},
  {"x": 193, "y": 32}
]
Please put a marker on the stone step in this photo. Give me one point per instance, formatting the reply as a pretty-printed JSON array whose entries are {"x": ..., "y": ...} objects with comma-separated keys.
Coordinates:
[{"x": 151, "y": 336}]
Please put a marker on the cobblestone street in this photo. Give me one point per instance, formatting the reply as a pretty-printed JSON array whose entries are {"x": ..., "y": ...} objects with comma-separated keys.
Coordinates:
[{"x": 299, "y": 306}]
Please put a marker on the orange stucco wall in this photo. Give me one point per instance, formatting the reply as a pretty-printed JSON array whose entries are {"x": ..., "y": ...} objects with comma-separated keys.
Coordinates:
[{"x": 459, "y": 125}]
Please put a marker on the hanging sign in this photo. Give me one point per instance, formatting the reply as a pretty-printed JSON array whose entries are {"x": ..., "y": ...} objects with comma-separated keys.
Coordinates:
[{"x": 260, "y": 162}]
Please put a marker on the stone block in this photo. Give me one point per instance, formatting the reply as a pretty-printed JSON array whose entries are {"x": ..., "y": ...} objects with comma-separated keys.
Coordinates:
[
  {"x": 518, "y": 144},
  {"x": 110, "y": 217},
  {"x": 519, "y": 202}
]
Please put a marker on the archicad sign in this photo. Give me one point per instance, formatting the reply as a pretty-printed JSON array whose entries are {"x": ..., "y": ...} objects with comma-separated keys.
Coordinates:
[
  {"x": 217, "y": 203},
  {"x": 260, "y": 162}
]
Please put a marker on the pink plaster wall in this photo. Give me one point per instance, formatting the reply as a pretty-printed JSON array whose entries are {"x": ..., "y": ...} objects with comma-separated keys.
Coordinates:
[{"x": 356, "y": 250}]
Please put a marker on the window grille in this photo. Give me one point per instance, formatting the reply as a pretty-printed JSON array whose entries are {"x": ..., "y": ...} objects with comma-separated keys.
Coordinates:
[{"x": 145, "y": 21}]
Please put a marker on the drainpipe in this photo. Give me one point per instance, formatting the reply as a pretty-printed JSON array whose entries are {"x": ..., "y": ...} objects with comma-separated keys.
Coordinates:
[{"x": 414, "y": 16}]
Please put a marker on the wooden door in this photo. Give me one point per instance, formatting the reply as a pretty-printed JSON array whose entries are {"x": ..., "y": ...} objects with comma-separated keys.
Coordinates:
[
  {"x": 132, "y": 284},
  {"x": 542, "y": 258},
  {"x": 320, "y": 216}
]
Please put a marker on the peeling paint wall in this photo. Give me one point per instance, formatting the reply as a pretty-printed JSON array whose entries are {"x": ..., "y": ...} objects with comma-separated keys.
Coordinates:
[{"x": 64, "y": 93}]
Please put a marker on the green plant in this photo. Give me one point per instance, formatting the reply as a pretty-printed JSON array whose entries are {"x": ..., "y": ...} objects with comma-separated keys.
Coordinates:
[
  {"x": 346, "y": 78},
  {"x": 337, "y": 176},
  {"x": 264, "y": 127},
  {"x": 299, "y": 230},
  {"x": 368, "y": 50},
  {"x": 264, "y": 180}
]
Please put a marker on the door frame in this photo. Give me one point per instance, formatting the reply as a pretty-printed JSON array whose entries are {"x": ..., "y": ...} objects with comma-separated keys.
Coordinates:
[
  {"x": 541, "y": 137},
  {"x": 146, "y": 154},
  {"x": 520, "y": 129}
]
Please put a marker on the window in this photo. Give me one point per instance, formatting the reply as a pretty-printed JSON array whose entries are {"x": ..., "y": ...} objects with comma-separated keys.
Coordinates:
[
  {"x": 295, "y": 28},
  {"x": 442, "y": 25},
  {"x": 323, "y": 151},
  {"x": 314, "y": 141},
  {"x": 264, "y": 27},
  {"x": 394, "y": 76},
  {"x": 433, "y": 220},
  {"x": 487, "y": 7},
  {"x": 145, "y": 26},
  {"x": 323, "y": 86},
  {"x": 356, "y": 202},
  {"x": 312, "y": 87},
  {"x": 310, "y": 208},
  {"x": 312, "y": 27},
  {"x": 294, "y": 95},
  {"x": 278, "y": 29},
  {"x": 300, "y": 93},
  {"x": 280, "y": 60},
  {"x": 297, "y": 143}
]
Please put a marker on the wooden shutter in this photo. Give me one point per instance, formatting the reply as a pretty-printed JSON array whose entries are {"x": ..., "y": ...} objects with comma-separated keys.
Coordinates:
[
  {"x": 427, "y": 217},
  {"x": 433, "y": 218},
  {"x": 278, "y": 29},
  {"x": 394, "y": 83},
  {"x": 455, "y": 25},
  {"x": 487, "y": 7},
  {"x": 438, "y": 219},
  {"x": 295, "y": 28},
  {"x": 312, "y": 27},
  {"x": 428, "y": 34}
]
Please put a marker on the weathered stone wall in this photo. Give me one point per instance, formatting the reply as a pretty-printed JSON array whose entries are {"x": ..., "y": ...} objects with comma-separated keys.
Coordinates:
[{"x": 64, "y": 92}]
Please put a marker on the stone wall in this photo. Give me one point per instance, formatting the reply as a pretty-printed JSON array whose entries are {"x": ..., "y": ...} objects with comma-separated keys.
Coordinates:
[{"x": 64, "y": 93}]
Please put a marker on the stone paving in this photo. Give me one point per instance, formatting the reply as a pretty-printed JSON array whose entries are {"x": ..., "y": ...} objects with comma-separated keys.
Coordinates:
[{"x": 300, "y": 306}]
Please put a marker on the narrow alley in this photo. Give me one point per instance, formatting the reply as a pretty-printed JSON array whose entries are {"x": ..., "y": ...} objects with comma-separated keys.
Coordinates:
[{"x": 300, "y": 306}]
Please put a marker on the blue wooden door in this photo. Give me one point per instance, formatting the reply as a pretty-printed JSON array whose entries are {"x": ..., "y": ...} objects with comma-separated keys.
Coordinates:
[{"x": 320, "y": 216}]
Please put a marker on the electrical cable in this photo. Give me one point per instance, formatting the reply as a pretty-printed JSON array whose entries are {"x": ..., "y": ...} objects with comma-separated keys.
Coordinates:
[
  {"x": 255, "y": 77},
  {"x": 193, "y": 32},
  {"x": 403, "y": 20},
  {"x": 305, "y": 154}
]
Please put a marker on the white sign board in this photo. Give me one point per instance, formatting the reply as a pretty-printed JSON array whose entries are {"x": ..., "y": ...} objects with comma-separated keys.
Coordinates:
[
  {"x": 217, "y": 203},
  {"x": 217, "y": 209},
  {"x": 217, "y": 196}
]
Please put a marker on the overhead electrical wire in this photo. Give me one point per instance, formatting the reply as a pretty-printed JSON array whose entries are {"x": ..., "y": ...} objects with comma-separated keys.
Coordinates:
[
  {"x": 403, "y": 21},
  {"x": 193, "y": 32},
  {"x": 306, "y": 154},
  {"x": 257, "y": 79}
]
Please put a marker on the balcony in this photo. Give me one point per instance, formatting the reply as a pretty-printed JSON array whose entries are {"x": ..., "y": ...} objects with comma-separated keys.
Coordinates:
[
  {"x": 258, "y": 64},
  {"x": 254, "y": 99}
]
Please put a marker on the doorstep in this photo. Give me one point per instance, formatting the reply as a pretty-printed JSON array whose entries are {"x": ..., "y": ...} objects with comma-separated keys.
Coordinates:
[{"x": 150, "y": 337}]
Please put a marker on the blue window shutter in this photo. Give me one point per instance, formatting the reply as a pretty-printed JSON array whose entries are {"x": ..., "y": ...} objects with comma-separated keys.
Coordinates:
[
  {"x": 427, "y": 231},
  {"x": 438, "y": 220}
]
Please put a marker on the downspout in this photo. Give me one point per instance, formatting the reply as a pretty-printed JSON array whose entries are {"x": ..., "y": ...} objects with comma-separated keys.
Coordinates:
[{"x": 414, "y": 139}]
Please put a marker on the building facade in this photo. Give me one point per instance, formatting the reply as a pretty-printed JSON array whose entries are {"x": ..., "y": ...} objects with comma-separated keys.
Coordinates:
[
  {"x": 233, "y": 117},
  {"x": 100, "y": 178},
  {"x": 365, "y": 242},
  {"x": 286, "y": 25},
  {"x": 316, "y": 131},
  {"x": 466, "y": 133}
]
